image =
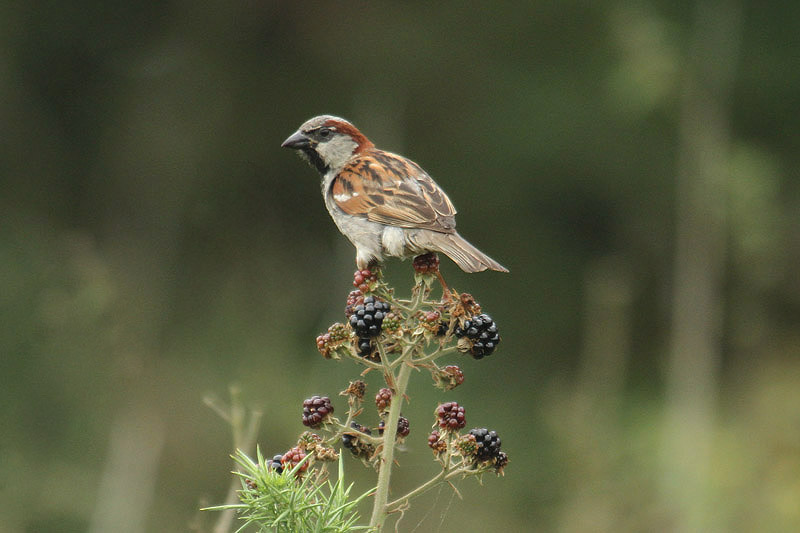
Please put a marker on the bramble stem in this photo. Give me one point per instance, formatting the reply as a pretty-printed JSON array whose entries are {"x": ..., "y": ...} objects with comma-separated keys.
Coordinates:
[
  {"x": 387, "y": 457},
  {"x": 444, "y": 475},
  {"x": 435, "y": 355},
  {"x": 419, "y": 490}
]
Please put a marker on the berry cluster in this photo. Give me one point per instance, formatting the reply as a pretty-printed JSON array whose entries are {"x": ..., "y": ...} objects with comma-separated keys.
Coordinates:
[
  {"x": 276, "y": 463},
  {"x": 363, "y": 279},
  {"x": 354, "y": 444},
  {"x": 354, "y": 299},
  {"x": 383, "y": 399},
  {"x": 403, "y": 427},
  {"x": 366, "y": 320},
  {"x": 308, "y": 441},
  {"x": 426, "y": 263},
  {"x": 430, "y": 321},
  {"x": 500, "y": 462},
  {"x": 367, "y": 317},
  {"x": 291, "y": 458},
  {"x": 488, "y": 444},
  {"x": 451, "y": 416},
  {"x": 466, "y": 445},
  {"x": 392, "y": 323},
  {"x": 315, "y": 409},
  {"x": 436, "y": 442},
  {"x": 365, "y": 349},
  {"x": 332, "y": 339},
  {"x": 481, "y": 332}
]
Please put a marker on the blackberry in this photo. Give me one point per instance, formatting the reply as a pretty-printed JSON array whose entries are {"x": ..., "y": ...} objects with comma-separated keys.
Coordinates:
[
  {"x": 336, "y": 335},
  {"x": 500, "y": 462},
  {"x": 363, "y": 279},
  {"x": 367, "y": 318},
  {"x": 392, "y": 324},
  {"x": 451, "y": 416},
  {"x": 430, "y": 321},
  {"x": 482, "y": 334},
  {"x": 466, "y": 445},
  {"x": 349, "y": 439},
  {"x": 365, "y": 348},
  {"x": 383, "y": 399},
  {"x": 276, "y": 464},
  {"x": 291, "y": 458},
  {"x": 315, "y": 410},
  {"x": 403, "y": 427},
  {"x": 426, "y": 263},
  {"x": 355, "y": 298},
  {"x": 354, "y": 444},
  {"x": 308, "y": 441},
  {"x": 488, "y": 443},
  {"x": 436, "y": 442}
]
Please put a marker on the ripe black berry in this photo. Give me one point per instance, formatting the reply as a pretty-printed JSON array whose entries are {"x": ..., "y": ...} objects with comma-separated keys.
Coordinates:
[
  {"x": 354, "y": 299},
  {"x": 364, "y": 347},
  {"x": 482, "y": 334},
  {"x": 315, "y": 409},
  {"x": 451, "y": 416},
  {"x": 488, "y": 443},
  {"x": 276, "y": 464},
  {"x": 403, "y": 427},
  {"x": 354, "y": 444},
  {"x": 367, "y": 318},
  {"x": 500, "y": 462}
]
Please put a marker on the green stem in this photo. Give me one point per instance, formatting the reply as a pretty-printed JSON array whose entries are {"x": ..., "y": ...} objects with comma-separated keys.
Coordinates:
[
  {"x": 435, "y": 355},
  {"x": 419, "y": 490},
  {"x": 387, "y": 457}
]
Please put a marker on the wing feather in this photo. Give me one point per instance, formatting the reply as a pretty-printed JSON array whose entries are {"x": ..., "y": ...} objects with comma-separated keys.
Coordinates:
[{"x": 390, "y": 189}]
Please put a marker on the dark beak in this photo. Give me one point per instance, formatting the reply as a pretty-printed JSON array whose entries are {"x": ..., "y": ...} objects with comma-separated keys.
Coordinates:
[{"x": 297, "y": 141}]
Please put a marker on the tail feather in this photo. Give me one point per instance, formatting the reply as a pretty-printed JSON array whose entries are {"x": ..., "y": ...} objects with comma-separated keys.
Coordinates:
[{"x": 465, "y": 255}]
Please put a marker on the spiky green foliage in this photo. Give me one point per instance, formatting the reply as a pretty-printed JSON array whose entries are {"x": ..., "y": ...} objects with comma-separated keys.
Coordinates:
[{"x": 290, "y": 502}]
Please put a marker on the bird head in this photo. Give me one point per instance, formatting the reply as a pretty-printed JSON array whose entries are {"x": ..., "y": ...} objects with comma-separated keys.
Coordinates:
[{"x": 327, "y": 142}]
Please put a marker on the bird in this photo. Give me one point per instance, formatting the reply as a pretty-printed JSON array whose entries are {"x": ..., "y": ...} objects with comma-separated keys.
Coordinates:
[{"x": 384, "y": 203}]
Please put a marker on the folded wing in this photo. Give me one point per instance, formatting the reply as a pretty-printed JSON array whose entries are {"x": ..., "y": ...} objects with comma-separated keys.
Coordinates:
[{"x": 390, "y": 189}]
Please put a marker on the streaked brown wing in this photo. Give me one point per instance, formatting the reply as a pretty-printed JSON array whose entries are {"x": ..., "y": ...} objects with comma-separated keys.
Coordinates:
[{"x": 392, "y": 190}]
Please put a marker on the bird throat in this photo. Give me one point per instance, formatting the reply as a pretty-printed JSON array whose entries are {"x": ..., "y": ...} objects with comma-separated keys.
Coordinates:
[{"x": 313, "y": 158}]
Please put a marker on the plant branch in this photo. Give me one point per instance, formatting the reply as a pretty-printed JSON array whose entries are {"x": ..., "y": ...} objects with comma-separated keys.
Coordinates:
[{"x": 387, "y": 457}]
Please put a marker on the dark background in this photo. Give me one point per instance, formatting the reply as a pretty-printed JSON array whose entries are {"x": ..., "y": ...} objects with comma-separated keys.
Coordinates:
[{"x": 632, "y": 163}]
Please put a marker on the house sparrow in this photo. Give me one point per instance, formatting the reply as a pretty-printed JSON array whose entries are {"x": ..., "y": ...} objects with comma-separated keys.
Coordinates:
[{"x": 384, "y": 203}]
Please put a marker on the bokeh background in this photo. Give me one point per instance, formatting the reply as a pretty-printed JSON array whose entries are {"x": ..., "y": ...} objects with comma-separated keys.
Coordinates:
[{"x": 634, "y": 164}]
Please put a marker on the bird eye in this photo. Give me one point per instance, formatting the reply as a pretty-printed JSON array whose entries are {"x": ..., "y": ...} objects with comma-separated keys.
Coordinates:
[{"x": 324, "y": 132}]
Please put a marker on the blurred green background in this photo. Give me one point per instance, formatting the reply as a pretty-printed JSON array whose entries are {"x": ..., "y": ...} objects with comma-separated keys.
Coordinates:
[{"x": 632, "y": 163}]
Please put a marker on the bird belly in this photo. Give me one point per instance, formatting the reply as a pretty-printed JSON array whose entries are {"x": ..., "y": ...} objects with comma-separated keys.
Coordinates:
[
  {"x": 364, "y": 234},
  {"x": 394, "y": 241}
]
